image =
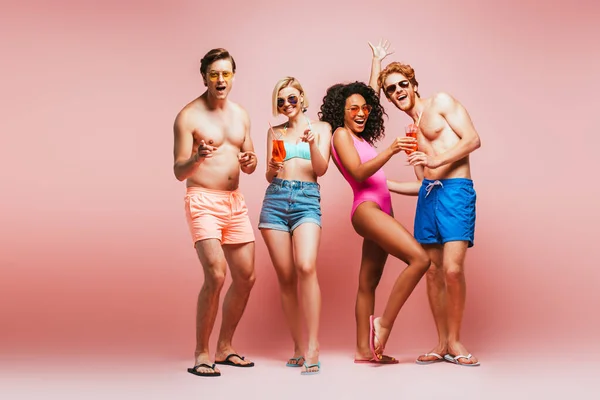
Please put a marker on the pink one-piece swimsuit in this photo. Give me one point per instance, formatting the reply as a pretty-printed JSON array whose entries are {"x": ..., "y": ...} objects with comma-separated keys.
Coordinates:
[{"x": 374, "y": 188}]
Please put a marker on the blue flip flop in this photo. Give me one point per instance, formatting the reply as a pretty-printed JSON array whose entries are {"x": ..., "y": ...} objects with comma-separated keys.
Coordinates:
[
  {"x": 297, "y": 364},
  {"x": 306, "y": 372}
]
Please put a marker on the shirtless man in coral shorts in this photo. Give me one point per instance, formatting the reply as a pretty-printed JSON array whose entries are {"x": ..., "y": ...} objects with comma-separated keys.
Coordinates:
[{"x": 212, "y": 145}]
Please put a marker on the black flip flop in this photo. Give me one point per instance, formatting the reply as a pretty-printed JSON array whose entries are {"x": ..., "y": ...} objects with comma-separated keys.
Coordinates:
[
  {"x": 227, "y": 361},
  {"x": 195, "y": 372}
]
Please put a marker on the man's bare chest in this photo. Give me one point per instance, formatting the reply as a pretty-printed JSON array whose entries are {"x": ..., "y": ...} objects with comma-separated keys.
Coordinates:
[
  {"x": 431, "y": 128},
  {"x": 218, "y": 131}
]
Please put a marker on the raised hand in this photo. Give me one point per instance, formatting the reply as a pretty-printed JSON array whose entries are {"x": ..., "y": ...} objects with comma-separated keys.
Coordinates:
[{"x": 382, "y": 50}]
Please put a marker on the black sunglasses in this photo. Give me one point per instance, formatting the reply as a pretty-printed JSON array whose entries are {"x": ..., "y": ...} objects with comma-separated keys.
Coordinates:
[
  {"x": 392, "y": 88},
  {"x": 292, "y": 99}
]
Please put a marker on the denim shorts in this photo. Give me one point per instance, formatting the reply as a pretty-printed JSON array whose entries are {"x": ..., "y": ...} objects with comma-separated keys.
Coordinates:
[{"x": 288, "y": 204}]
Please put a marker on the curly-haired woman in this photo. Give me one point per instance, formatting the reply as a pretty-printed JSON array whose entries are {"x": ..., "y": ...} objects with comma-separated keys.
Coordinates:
[{"x": 356, "y": 118}]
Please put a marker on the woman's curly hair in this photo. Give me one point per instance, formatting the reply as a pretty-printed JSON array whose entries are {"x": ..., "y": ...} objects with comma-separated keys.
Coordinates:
[{"x": 334, "y": 104}]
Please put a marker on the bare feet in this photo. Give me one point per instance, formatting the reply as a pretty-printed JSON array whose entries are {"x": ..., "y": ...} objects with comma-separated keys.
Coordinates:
[
  {"x": 229, "y": 356},
  {"x": 457, "y": 349}
]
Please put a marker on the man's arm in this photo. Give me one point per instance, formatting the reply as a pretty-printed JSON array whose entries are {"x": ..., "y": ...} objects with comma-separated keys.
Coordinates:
[
  {"x": 380, "y": 52},
  {"x": 185, "y": 163},
  {"x": 458, "y": 119},
  {"x": 375, "y": 70},
  {"x": 248, "y": 160},
  {"x": 420, "y": 172}
]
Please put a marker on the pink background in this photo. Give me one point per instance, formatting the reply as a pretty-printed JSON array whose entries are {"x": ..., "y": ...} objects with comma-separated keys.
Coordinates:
[{"x": 95, "y": 253}]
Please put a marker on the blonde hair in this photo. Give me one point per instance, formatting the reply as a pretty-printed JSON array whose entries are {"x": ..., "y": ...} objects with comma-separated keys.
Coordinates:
[{"x": 288, "y": 81}]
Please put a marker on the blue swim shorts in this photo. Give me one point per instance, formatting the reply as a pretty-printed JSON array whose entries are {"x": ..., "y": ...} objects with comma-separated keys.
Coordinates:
[
  {"x": 288, "y": 204},
  {"x": 445, "y": 211}
]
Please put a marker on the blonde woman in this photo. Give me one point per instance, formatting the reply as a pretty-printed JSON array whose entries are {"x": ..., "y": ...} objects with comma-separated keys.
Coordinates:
[{"x": 290, "y": 219}]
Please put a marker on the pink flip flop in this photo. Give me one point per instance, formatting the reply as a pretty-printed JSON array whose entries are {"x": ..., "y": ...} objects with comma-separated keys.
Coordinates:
[{"x": 386, "y": 360}]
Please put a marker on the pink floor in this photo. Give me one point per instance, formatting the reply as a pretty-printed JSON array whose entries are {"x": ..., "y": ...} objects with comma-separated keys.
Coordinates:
[{"x": 501, "y": 376}]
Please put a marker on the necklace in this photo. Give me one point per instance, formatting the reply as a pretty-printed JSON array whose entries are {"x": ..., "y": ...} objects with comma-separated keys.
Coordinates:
[{"x": 285, "y": 126}]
